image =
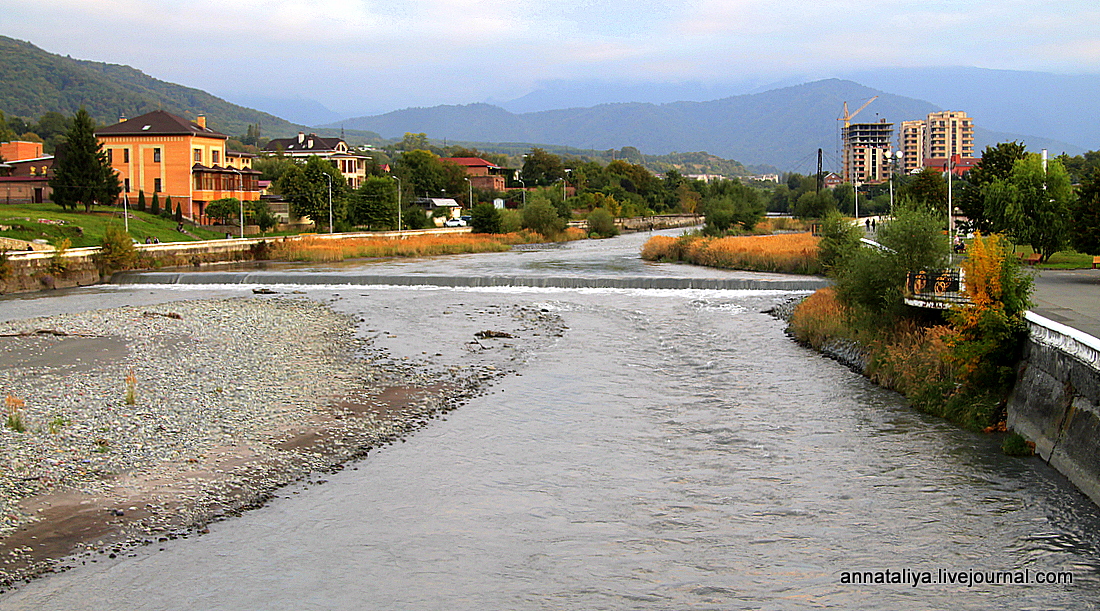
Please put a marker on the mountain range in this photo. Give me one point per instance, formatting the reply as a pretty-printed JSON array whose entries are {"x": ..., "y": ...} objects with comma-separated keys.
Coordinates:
[{"x": 781, "y": 127}]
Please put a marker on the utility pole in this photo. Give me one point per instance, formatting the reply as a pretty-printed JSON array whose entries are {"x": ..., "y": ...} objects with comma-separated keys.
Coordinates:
[{"x": 820, "y": 175}]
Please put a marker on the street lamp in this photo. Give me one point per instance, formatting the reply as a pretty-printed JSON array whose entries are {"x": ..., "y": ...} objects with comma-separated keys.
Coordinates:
[
  {"x": 524, "y": 190},
  {"x": 329, "y": 177},
  {"x": 470, "y": 201},
  {"x": 398, "y": 202},
  {"x": 564, "y": 182},
  {"x": 240, "y": 193}
]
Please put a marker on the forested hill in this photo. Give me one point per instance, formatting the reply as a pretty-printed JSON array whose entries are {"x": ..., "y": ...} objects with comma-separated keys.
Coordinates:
[
  {"x": 777, "y": 128},
  {"x": 33, "y": 82}
]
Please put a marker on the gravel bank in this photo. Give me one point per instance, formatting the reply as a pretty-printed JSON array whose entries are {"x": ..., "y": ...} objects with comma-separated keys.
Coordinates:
[{"x": 231, "y": 399}]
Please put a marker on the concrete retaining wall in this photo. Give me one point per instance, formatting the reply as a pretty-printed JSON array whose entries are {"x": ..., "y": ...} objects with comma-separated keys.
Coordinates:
[{"x": 1056, "y": 401}]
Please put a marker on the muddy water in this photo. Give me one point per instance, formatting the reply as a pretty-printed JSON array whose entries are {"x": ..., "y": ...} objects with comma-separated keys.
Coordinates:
[{"x": 672, "y": 449}]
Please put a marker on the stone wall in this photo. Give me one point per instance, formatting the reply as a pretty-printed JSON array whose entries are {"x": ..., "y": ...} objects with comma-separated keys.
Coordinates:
[{"x": 1056, "y": 401}]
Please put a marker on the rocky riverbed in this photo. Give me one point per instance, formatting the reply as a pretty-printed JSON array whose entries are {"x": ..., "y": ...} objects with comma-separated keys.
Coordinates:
[{"x": 131, "y": 425}]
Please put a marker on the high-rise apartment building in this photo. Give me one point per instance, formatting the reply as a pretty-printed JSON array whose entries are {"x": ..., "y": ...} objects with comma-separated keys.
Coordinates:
[
  {"x": 867, "y": 152},
  {"x": 940, "y": 136}
]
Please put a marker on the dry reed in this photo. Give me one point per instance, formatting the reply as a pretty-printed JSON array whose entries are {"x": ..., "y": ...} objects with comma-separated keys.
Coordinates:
[
  {"x": 322, "y": 250},
  {"x": 789, "y": 253}
]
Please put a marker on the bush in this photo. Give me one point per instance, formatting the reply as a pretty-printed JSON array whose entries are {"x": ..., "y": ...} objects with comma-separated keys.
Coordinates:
[
  {"x": 485, "y": 218},
  {"x": 414, "y": 218},
  {"x": 839, "y": 239},
  {"x": 117, "y": 250},
  {"x": 601, "y": 223},
  {"x": 542, "y": 218}
]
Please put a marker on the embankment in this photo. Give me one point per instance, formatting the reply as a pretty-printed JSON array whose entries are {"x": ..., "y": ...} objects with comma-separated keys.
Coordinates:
[{"x": 1056, "y": 401}]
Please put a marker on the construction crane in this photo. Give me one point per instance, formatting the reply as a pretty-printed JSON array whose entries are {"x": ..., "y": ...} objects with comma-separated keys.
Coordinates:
[{"x": 847, "y": 118}]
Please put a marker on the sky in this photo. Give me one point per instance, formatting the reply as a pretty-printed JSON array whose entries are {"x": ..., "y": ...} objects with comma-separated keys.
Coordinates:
[{"x": 360, "y": 57}]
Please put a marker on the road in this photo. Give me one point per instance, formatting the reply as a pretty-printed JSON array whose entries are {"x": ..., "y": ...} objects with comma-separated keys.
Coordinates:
[{"x": 1071, "y": 297}]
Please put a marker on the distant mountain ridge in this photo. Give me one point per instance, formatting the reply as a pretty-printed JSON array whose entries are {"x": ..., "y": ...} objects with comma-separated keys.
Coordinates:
[
  {"x": 782, "y": 127},
  {"x": 33, "y": 82}
]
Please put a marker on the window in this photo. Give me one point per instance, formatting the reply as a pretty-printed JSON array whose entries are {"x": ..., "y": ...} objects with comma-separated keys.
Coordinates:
[
  {"x": 110, "y": 156},
  {"x": 125, "y": 155},
  {"x": 198, "y": 155},
  {"x": 156, "y": 181},
  {"x": 126, "y": 185},
  {"x": 156, "y": 155},
  {"x": 214, "y": 154}
]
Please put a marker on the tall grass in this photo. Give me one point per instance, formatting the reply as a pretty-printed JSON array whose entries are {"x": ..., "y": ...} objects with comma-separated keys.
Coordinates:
[
  {"x": 322, "y": 250},
  {"x": 789, "y": 253}
]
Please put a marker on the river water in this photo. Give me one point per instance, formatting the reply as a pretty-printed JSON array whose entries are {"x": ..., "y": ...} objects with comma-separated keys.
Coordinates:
[{"x": 673, "y": 449}]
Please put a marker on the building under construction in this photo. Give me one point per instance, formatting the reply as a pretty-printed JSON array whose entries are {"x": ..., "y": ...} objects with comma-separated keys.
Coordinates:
[{"x": 867, "y": 152}]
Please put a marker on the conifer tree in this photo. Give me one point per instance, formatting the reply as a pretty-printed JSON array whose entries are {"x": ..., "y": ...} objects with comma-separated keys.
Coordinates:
[
  {"x": 82, "y": 175},
  {"x": 154, "y": 208},
  {"x": 141, "y": 201}
]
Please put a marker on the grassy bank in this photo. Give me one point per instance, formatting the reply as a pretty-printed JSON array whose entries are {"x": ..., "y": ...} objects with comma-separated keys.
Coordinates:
[
  {"x": 787, "y": 253},
  {"x": 49, "y": 222},
  {"x": 958, "y": 364}
]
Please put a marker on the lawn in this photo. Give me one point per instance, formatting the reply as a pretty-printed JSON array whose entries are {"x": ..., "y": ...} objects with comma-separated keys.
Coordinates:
[
  {"x": 1066, "y": 259},
  {"x": 50, "y": 222}
]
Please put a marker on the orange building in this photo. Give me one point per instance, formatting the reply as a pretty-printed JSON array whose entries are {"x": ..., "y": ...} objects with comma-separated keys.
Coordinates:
[
  {"x": 161, "y": 153},
  {"x": 18, "y": 150},
  {"x": 482, "y": 174}
]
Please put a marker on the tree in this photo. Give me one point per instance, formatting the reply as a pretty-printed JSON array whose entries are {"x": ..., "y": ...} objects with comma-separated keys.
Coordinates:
[
  {"x": 167, "y": 206},
  {"x": 374, "y": 204},
  {"x": 307, "y": 187},
  {"x": 1085, "y": 232},
  {"x": 602, "y": 224},
  {"x": 273, "y": 167},
  {"x": 1038, "y": 205},
  {"x": 485, "y": 218},
  {"x": 811, "y": 205},
  {"x": 839, "y": 239},
  {"x": 425, "y": 174},
  {"x": 224, "y": 210},
  {"x": 996, "y": 164},
  {"x": 82, "y": 175},
  {"x": 541, "y": 168},
  {"x": 179, "y": 214},
  {"x": 928, "y": 189},
  {"x": 141, "y": 201},
  {"x": 154, "y": 208},
  {"x": 540, "y": 216}
]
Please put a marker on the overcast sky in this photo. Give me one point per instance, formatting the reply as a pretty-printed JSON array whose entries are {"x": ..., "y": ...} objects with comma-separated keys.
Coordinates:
[{"x": 364, "y": 56}]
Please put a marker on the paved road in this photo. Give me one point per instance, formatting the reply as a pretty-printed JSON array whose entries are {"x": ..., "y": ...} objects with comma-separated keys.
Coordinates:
[{"x": 1071, "y": 297}]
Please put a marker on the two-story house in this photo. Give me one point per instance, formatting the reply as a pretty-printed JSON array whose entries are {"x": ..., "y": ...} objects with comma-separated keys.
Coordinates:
[
  {"x": 352, "y": 164},
  {"x": 161, "y": 153}
]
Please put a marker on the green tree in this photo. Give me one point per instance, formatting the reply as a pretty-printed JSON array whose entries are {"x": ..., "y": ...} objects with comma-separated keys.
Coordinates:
[
  {"x": 154, "y": 208},
  {"x": 839, "y": 239},
  {"x": 927, "y": 188},
  {"x": 273, "y": 167},
  {"x": 996, "y": 164},
  {"x": 485, "y": 218},
  {"x": 178, "y": 216},
  {"x": 601, "y": 223},
  {"x": 1085, "y": 232},
  {"x": 541, "y": 168},
  {"x": 374, "y": 204},
  {"x": 167, "y": 212},
  {"x": 307, "y": 188},
  {"x": 1036, "y": 205},
  {"x": 82, "y": 175},
  {"x": 224, "y": 210},
  {"x": 423, "y": 173},
  {"x": 141, "y": 205},
  {"x": 540, "y": 216},
  {"x": 814, "y": 205}
]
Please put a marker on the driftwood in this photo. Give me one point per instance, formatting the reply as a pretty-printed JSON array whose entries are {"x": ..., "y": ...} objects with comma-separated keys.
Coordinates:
[
  {"x": 498, "y": 334},
  {"x": 47, "y": 332},
  {"x": 172, "y": 315}
]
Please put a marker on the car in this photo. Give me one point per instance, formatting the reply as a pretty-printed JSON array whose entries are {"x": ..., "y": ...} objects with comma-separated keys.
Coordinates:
[{"x": 454, "y": 223}]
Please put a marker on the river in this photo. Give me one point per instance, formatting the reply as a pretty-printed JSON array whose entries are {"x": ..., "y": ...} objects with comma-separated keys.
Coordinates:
[{"x": 673, "y": 449}]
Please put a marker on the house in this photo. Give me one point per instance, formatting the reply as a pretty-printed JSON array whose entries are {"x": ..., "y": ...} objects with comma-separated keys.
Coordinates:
[
  {"x": 170, "y": 156},
  {"x": 24, "y": 179},
  {"x": 352, "y": 164},
  {"x": 482, "y": 174}
]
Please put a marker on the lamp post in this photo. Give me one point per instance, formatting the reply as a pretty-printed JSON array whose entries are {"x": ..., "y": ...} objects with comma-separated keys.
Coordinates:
[
  {"x": 398, "y": 202},
  {"x": 564, "y": 183},
  {"x": 470, "y": 200},
  {"x": 240, "y": 192},
  {"x": 329, "y": 177},
  {"x": 524, "y": 191}
]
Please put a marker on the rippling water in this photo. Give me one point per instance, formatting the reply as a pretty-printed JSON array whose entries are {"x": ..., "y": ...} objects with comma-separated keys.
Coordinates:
[{"x": 672, "y": 450}]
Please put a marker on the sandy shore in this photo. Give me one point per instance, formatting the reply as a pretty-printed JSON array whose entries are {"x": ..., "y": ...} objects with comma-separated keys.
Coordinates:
[{"x": 231, "y": 399}]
